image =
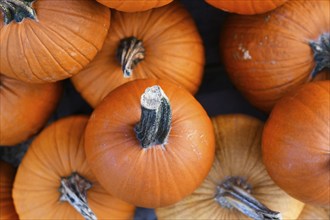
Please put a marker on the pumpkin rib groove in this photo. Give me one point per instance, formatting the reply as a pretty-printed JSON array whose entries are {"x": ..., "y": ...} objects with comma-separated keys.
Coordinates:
[
  {"x": 75, "y": 33},
  {"x": 36, "y": 58},
  {"x": 21, "y": 45},
  {"x": 44, "y": 29},
  {"x": 72, "y": 45},
  {"x": 8, "y": 49},
  {"x": 57, "y": 11},
  {"x": 42, "y": 44}
]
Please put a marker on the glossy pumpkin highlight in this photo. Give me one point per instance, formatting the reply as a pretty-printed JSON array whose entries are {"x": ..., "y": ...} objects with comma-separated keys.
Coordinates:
[{"x": 159, "y": 174}]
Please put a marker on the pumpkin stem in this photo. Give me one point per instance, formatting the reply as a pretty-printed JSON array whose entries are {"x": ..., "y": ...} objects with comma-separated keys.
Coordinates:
[
  {"x": 234, "y": 192},
  {"x": 73, "y": 190},
  {"x": 156, "y": 115},
  {"x": 321, "y": 50},
  {"x": 129, "y": 53},
  {"x": 17, "y": 10}
]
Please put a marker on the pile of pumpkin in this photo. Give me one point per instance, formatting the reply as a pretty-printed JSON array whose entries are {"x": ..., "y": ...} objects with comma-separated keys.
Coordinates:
[{"x": 148, "y": 142}]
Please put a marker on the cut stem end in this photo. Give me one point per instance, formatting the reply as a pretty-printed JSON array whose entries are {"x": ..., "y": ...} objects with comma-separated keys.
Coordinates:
[{"x": 156, "y": 116}]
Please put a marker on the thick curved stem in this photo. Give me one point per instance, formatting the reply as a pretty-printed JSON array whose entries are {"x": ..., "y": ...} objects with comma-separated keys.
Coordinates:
[
  {"x": 235, "y": 193},
  {"x": 156, "y": 116},
  {"x": 321, "y": 50},
  {"x": 73, "y": 190},
  {"x": 17, "y": 10},
  {"x": 130, "y": 52}
]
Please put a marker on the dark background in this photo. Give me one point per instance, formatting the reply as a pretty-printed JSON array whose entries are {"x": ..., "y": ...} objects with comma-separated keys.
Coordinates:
[{"x": 216, "y": 94}]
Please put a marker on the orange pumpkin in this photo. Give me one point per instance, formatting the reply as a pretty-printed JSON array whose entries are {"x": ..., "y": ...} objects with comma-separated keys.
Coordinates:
[
  {"x": 161, "y": 43},
  {"x": 7, "y": 175},
  {"x": 296, "y": 143},
  {"x": 270, "y": 54},
  {"x": 134, "y": 6},
  {"x": 25, "y": 108},
  {"x": 238, "y": 186},
  {"x": 53, "y": 177},
  {"x": 150, "y": 143},
  {"x": 50, "y": 40},
  {"x": 246, "y": 7}
]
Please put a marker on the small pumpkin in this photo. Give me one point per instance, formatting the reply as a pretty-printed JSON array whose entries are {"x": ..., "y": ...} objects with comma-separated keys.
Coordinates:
[
  {"x": 270, "y": 54},
  {"x": 296, "y": 142},
  {"x": 134, "y": 6},
  {"x": 25, "y": 108},
  {"x": 246, "y": 7},
  {"x": 54, "y": 180},
  {"x": 313, "y": 212},
  {"x": 50, "y": 40},
  {"x": 238, "y": 186},
  {"x": 7, "y": 175},
  {"x": 150, "y": 143},
  {"x": 161, "y": 43}
]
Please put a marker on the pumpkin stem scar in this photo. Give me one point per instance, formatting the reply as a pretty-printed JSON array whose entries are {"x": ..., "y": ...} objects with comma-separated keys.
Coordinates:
[
  {"x": 234, "y": 192},
  {"x": 321, "y": 50},
  {"x": 17, "y": 10},
  {"x": 156, "y": 116},
  {"x": 129, "y": 53},
  {"x": 73, "y": 190}
]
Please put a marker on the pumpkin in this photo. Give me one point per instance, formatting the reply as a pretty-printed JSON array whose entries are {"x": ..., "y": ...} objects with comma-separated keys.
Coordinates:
[
  {"x": 54, "y": 180},
  {"x": 161, "y": 43},
  {"x": 313, "y": 212},
  {"x": 25, "y": 108},
  {"x": 246, "y": 7},
  {"x": 150, "y": 143},
  {"x": 296, "y": 142},
  {"x": 134, "y": 6},
  {"x": 238, "y": 186},
  {"x": 270, "y": 54},
  {"x": 7, "y": 175},
  {"x": 50, "y": 40}
]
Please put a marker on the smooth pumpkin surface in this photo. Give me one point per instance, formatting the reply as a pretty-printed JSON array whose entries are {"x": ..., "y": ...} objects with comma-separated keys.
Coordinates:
[
  {"x": 7, "y": 175},
  {"x": 238, "y": 154},
  {"x": 313, "y": 212},
  {"x": 25, "y": 108},
  {"x": 55, "y": 153},
  {"x": 157, "y": 175},
  {"x": 57, "y": 44},
  {"x": 173, "y": 50},
  {"x": 134, "y": 6},
  {"x": 246, "y": 7},
  {"x": 270, "y": 54},
  {"x": 296, "y": 142}
]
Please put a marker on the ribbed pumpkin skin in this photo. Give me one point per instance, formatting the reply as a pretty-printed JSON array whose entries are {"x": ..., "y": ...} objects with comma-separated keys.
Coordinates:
[
  {"x": 7, "y": 175},
  {"x": 238, "y": 153},
  {"x": 149, "y": 177},
  {"x": 57, "y": 152},
  {"x": 296, "y": 143},
  {"x": 134, "y": 6},
  {"x": 58, "y": 45},
  {"x": 25, "y": 108},
  {"x": 268, "y": 55},
  {"x": 246, "y": 7},
  {"x": 173, "y": 51},
  {"x": 313, "y": 212}
]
